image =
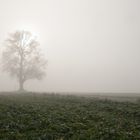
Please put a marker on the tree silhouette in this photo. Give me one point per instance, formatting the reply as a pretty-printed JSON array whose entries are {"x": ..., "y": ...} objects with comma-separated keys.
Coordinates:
[{"x": 22, "y": 58}]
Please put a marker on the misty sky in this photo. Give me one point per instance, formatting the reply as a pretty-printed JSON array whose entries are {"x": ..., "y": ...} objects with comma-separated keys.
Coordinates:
[{"x": 90, "y": 45}]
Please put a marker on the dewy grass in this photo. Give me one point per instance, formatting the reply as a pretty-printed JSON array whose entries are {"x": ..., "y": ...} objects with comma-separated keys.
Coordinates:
[{"x": 64, "y": 117}]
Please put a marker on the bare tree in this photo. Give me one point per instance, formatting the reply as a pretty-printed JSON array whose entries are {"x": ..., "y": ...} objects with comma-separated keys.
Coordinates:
[{"x": 22, "y": 58}]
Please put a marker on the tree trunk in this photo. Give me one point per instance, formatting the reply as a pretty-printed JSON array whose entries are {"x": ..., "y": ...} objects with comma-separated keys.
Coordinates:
[
  {"x": 21, "y": 81},
  {"x": 21, "y": 87}
]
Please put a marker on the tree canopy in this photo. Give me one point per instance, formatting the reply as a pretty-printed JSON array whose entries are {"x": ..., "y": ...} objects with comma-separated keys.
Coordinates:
[{"x": 22, "y": 57}]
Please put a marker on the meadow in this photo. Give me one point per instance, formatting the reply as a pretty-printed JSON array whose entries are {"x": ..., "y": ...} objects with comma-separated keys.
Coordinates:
[{"x": 31, "y": 116}]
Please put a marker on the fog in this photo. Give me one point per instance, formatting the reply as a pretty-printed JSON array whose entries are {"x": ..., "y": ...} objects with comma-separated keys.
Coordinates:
[{"x": 90, "y": 45}]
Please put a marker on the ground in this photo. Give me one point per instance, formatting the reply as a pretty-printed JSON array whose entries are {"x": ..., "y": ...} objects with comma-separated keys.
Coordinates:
[{"x": 34, "y": 116}]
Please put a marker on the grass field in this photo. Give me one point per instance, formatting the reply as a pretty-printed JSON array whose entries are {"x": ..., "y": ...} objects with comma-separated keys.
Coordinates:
[{"x": 66, "y": 117}]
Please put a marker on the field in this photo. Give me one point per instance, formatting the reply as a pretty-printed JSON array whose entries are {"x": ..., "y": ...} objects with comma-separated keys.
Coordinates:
[{"x": 65, "y": 117}]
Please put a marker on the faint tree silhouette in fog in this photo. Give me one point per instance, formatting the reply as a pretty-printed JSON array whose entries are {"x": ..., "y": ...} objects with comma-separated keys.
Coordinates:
[{"x": 22, "y": 58}]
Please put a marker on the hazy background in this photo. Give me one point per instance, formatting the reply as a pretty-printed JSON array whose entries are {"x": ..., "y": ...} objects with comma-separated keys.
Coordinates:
[{"x": 90, "y": 45}]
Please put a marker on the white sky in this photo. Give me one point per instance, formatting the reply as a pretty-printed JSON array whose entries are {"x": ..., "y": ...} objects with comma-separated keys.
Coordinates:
[{"x": 90, "y": 45}]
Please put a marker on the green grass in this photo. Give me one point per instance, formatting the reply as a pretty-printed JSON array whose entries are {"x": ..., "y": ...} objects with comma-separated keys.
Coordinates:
[{"x": 59, "y": 117}]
